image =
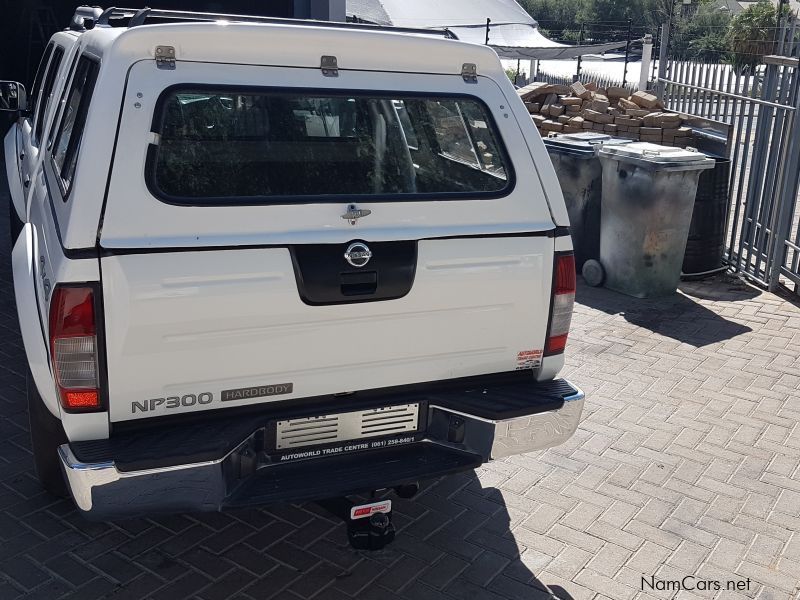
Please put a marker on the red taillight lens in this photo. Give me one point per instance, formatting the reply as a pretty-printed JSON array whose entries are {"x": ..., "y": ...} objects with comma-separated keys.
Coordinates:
[
  {"x": 563, "y": 302},
  {"x": 73, "y": 347}
]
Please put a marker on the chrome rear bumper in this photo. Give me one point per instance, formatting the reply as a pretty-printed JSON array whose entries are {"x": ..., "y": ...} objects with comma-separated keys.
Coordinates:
[{"x": 453, "y": 440}]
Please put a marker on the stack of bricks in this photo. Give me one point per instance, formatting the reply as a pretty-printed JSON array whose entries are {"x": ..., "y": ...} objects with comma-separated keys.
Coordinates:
[{"x": 586, "y": 107}]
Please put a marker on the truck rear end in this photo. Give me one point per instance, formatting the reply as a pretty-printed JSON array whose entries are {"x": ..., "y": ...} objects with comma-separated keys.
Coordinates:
[{"x": 315, "y": 280}]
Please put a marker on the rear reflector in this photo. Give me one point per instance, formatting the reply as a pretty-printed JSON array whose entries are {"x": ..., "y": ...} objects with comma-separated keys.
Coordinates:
[
  {"x": 563, "y": 302},
  {"x": 73, "y": 347}
]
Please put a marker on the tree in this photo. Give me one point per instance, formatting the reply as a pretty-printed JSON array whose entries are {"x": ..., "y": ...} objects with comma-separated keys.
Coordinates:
[
  {"x": 701, "y": 35},
  {"x": 751, "y": 35}
]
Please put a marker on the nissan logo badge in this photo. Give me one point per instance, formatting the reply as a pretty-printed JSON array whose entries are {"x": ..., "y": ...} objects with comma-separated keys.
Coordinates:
[{"x": 357, "y": 254}]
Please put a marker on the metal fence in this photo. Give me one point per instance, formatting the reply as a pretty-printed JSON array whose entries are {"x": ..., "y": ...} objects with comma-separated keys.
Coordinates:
[{"x": 760, "y": 113}]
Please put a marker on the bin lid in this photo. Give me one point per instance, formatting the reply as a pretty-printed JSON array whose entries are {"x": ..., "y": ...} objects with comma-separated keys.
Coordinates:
[
  {"x": 658, "y": 155},
  {"x": 586, "y": 142}
]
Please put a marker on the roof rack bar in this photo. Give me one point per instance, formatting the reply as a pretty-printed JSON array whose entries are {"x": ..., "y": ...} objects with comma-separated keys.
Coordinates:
[
  {"x": 112, "y": 12},
  {"x": 85, "y": 17},
  {"x": 140, "y": 16}
]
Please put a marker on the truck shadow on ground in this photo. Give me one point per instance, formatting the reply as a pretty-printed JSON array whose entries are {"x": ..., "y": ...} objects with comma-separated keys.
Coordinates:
[
  {"x": 678, "y": 316},
  {"x": 455, "y": 541}
]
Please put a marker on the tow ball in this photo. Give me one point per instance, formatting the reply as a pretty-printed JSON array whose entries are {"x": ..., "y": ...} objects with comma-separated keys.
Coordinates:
[
  {"x": 369, "y": 526},
  {"x": 373, "y": 532}
]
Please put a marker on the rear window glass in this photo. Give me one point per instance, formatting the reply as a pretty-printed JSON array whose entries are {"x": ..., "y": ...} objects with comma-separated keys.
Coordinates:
[{"x": 271, "y": 146}]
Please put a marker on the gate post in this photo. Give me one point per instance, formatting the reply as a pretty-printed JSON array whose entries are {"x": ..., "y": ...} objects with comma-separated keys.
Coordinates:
[
  {"x": 663, "y": 56},
  {"x": 789, "y": 179},
  {"x": 755, "y": 197},
  {"x": 647, "y": 54}
]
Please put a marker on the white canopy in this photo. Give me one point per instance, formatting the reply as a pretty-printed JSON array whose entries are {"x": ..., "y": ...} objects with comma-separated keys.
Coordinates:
[{"x": 512, "y": 32}]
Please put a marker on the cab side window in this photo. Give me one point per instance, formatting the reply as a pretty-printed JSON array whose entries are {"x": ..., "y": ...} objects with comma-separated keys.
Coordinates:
[
  {"x": 46, "y": 93},
  {"x": 73, "y": 118},
  {"x": 37, "y": 82}
]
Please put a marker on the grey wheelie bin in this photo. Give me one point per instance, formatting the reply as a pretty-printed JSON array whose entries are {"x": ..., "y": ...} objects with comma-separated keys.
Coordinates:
[
  {"x": 648, "y": 197},
  {"x": 574, "y": 157}
]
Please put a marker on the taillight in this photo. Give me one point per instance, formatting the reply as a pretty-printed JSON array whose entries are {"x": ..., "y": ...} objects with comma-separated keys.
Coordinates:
[
  {"x": 74, "y": 347},
  {"x": 563, "y": 302}
]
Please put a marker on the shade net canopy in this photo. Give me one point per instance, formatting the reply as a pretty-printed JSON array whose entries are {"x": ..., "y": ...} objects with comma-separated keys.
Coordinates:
[{"x": 513, "y": 33}]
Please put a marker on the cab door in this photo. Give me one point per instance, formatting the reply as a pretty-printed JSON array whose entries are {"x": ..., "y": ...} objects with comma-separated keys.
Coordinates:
[{"x": 32, "y": 129}]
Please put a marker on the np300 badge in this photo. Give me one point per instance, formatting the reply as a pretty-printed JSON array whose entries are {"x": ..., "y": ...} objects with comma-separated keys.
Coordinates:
[{"x": 357, "y": 254}]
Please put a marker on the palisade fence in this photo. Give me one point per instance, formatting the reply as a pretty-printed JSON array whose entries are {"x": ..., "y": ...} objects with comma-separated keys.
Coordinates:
[
  {"x": 602, "y": 80},
  {"x": 759, "y": 110}
]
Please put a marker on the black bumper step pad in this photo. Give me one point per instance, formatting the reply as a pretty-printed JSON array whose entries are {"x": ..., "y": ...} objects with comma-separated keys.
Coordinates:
[
  {"x": 507, "y": 401},
  {"x": 331, "y": 477}
]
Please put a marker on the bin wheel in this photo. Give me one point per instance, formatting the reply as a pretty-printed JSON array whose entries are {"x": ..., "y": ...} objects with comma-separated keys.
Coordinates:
[{"x": 593, "y": 273}]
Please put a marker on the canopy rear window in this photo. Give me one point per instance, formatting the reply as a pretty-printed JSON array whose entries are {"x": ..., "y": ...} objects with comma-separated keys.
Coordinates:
[{"x": 279, "y": 146}]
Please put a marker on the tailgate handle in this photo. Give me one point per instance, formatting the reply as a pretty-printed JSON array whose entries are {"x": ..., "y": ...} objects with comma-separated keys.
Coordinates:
[{"x": 359, "y": 284}]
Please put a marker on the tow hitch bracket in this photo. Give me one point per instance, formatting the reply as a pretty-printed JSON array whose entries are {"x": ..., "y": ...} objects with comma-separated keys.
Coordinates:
[{"x": 369, "y": 526}]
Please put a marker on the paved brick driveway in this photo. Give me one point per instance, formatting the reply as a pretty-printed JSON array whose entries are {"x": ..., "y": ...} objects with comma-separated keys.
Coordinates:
[{"x": 687, "y": 463}]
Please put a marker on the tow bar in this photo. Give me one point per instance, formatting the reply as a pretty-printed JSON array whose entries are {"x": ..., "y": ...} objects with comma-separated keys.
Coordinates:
[{"x": 369, "y": 526}]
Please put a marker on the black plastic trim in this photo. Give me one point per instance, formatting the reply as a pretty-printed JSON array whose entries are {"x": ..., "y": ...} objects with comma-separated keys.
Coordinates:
[
  {"x": 561, "y": 231},
  {"x": 550, "y": 233},
  {"x": 324, "y": 277}
]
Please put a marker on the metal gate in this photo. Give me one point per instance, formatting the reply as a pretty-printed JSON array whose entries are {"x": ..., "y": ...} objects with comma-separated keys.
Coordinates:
[{"x": 759, "y": 112}]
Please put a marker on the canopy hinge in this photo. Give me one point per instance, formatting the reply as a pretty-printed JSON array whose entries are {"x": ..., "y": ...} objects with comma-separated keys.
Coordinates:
[
  {"x": 165, "y": 57},
  {"x": 329, "y": 66},
  {"x": 469, "y": 71}
]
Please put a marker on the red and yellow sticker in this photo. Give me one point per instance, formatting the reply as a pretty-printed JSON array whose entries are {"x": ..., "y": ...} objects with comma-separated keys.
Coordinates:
[{"x": 529, "y": 359}]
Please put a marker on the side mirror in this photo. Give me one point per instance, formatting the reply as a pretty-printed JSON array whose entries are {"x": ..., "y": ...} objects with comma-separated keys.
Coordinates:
[{"x": 13, "y": 97}]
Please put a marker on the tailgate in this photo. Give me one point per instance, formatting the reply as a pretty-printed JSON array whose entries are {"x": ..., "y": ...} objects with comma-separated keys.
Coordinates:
[{"x": 198, "y": 330}]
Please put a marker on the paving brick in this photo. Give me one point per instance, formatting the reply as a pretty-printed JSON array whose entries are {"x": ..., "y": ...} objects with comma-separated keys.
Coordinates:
[
  {"x": 727, "y": 554},
  {"x": 648, "y": 558},
  {"x": 653, "y": 534},
  {"x": 570, "y": 562},
  {"x": 688, "y": 557},
  {"x": 606, "y": 585},
  {"x": 320, "y": 576},
  {"x": 610, "y": 559},
  {"x": 24, "y": 572},
  {"x": 610, "y": 533},
  {"x": 67, "y": 567},
  {"x": 183, "y": 587},
  {"x": 53, "y": 588},
  {"x": 769, "y": 577},
  {"x": 506, "y": 587},
  {"x": 723, "y": 529},
  {"x": 544, "y": 518}
]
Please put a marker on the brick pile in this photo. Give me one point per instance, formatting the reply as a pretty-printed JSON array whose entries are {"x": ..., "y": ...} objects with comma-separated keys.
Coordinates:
[{"x": 614, "y": 111}]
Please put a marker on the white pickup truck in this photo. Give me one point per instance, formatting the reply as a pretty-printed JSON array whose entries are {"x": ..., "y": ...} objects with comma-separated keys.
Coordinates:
[{"x": 262, "y": 260}]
